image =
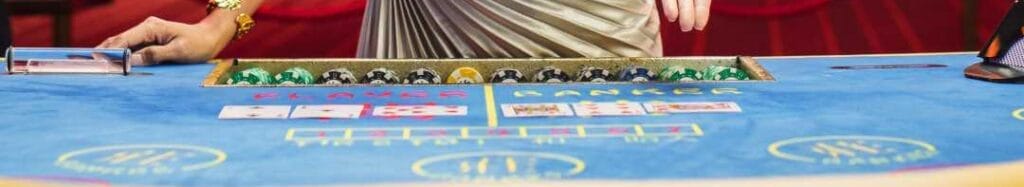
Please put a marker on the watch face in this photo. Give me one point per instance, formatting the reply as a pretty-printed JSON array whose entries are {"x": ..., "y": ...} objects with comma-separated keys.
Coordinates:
[{"x": 245, "y": 23}]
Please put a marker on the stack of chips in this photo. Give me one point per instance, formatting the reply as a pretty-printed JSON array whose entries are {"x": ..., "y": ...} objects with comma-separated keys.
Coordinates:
[
  {"x": 680, "y": 74},
  {"x": 507, "y": 75},
  {"x": 465, "y": 75},
  {"x": 294, "y": 76},
  {"x": 722, "y": 73},
  {"x": 337, "y": 76},
  {"x": 637, "y": 74},
  {"x": 551, "y": 74},
  {"x": 251, "y": 76},
  {"x": 594, "y": 74},
  {"x": 380, "y": 76},
  {"x": 423, "y": 76}
]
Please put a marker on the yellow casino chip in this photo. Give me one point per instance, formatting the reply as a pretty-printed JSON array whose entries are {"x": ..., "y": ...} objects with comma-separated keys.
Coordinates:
[{"x": 465, "y": 75}]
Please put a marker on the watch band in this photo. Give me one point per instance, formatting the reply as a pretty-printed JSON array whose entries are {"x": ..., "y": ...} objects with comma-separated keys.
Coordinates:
[
  {"x": 223, "y": 4},
  {"x": 245, "y": 24},
  {"x": 244, "y": 21}
]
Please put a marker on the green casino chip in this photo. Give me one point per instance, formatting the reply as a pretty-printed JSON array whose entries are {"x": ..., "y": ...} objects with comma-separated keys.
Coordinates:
[
  {"x": 679, "y": 73},
  {"x": 294, "y": 76},
  {"x": 724, "y": 73},
  {"x": 251, "y": 76}
]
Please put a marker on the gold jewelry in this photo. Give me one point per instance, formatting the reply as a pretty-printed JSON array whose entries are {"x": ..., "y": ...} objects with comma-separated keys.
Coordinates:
[
  {"x": 223, "y": 4},
  {"x": 245, "y": 23}
]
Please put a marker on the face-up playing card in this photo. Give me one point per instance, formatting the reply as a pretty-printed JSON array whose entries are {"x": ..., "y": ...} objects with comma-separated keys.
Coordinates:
[
  {"x": 609, "y": 109},
  {"x": 692, "y": 107},
  {"x": 255, "y": 112},
  {"x": 420, "y": 110},
  {"x": 327, "y": 111},
  {"x": 536, "y": 110}
]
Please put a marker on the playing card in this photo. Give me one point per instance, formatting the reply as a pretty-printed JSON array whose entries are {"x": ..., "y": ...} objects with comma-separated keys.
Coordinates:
[
  {"x": 254, "y": 112},
  {"x": 536, "y": 110},
  {"x": 421, "y": 110},
  {"x": 327, "y": 111},
  {"x": 692, "y": 107},
  {"x": 608, "y": 109}
]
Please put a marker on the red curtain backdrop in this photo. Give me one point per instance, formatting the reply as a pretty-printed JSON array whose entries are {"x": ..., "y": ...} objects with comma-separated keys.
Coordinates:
[{"x": 330, "y": 28}]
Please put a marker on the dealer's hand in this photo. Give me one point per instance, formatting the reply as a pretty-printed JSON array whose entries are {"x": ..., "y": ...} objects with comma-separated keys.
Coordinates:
[
  {"x": 157, "y": 41},
  {"x": 691, "y": 14}
]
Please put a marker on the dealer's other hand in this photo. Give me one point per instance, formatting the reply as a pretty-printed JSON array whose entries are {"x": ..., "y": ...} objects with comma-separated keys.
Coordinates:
[
  {"x": 156, "y": 41},
  {"x": 691, "y": 14}
]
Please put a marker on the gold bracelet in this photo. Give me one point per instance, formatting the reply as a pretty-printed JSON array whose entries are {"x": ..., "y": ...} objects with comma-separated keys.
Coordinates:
[
  {"x": 223, "y": 4},
  {"x": 245, "y": 23}
]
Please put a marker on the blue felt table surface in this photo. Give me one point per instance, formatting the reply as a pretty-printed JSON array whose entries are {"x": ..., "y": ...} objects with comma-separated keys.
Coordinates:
[{"x": 966, "y": 121}]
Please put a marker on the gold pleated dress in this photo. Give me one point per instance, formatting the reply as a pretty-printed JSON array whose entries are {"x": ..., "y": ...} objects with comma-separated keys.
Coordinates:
[{"x": 510, "y": 29}]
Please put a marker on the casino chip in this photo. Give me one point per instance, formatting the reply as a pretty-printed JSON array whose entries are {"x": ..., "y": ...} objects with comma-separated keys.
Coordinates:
[
  {"x": 551, "y": 74},
  {"x": 423, "y": 76},
  {"x": 637, "y": 74},
  {"x": 294, "y": 76},
  {"x": 681, "y": 74},
  {"x": 465, "y": 75},
  {"x": 724, "y": 73},
  {"x": 507, "y": 75},
  {"x": 251, "y": 76},
  {"x": 594, "y": 74},
  {"x": 380, "y": 76},
  {"x": 337, "y": 77}
]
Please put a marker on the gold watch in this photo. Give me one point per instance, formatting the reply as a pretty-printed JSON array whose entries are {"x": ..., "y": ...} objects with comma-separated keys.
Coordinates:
[
  {"x": 245, "y": 23},
  {"x": 223, "y": 4}
]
